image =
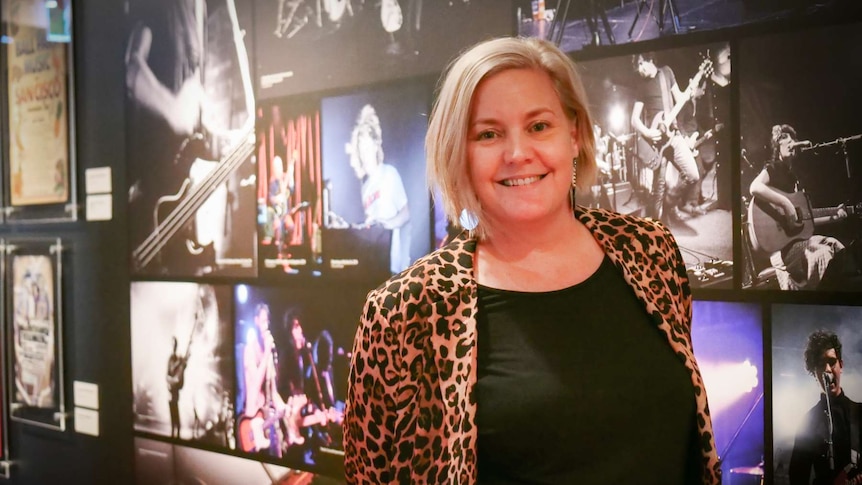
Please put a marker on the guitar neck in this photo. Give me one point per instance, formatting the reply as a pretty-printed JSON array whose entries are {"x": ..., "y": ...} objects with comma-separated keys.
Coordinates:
[{"x": 825, "y": 212}]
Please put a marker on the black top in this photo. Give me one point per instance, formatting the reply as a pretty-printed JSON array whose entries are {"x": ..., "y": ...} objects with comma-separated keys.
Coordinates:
[
  {"x": 781, "y": 176},
  {"x": 656, "y": 94},
  {"x": 810, "y": 447},
  {"x": 579, "y": 386}
]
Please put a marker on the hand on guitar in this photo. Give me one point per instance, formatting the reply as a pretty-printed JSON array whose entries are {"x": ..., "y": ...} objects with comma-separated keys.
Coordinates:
[{"x": 653, "y": 134}]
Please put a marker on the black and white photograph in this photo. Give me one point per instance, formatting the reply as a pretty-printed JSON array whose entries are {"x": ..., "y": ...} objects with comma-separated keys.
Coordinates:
[
  {"x": 376, "y": 201},
  {"x": 728, "y": 342},
  {"x": 293, "y": 352},
  {"x": 817, "y": 390},
  {"x": 577, "y": 25},
  {"x": 160, "y": 463},
  {"x": 182, "y": 363},
  {"x": 800, "y": 172},
  {"x": 308, "y": 45},
  {"x": 190, "y": 139},
  {"x": 290, "y": 189},
  {"x": 662, "y": 124}
]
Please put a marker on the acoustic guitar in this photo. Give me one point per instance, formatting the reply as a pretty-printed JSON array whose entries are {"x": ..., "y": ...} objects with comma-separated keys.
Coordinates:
[{"x": 770, "y": 230}]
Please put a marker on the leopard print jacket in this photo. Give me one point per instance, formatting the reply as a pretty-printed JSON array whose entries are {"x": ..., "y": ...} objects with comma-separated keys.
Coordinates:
[{"x": 411, "y": 410}]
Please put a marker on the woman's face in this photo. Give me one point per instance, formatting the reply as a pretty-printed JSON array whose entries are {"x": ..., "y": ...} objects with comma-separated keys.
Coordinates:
[
  {"x": 785, "y": 145},
  {"x": 520, "y": 147}
]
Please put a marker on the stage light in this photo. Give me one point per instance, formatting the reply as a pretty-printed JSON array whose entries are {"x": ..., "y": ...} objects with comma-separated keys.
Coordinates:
[
  {"x": 727, "y": 382},
  {"x": 241, "y": 294},
  {"x": 617, "y": 118}
]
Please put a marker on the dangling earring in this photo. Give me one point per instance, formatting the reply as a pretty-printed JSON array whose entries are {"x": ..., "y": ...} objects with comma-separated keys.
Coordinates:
[
  {"x": 468, "y": 220},
  {"x": 573, "y": 191}
]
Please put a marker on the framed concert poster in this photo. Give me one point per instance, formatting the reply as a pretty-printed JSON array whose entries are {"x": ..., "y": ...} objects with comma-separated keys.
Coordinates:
[
  {"x": 34, "y": 333},
  {"x": 39, "y": 162}
]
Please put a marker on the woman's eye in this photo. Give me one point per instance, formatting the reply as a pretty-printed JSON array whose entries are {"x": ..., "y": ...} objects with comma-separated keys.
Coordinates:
[
  {"x": 540, "y": 126},
  {"x": 486, "y": 135}
]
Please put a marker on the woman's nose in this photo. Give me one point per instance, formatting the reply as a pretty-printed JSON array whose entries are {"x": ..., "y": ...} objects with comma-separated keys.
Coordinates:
[{"x": 518, "y": 148}]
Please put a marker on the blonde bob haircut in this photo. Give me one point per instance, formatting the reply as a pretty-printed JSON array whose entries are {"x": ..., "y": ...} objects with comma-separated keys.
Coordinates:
[{"x": 449, "y": 125}]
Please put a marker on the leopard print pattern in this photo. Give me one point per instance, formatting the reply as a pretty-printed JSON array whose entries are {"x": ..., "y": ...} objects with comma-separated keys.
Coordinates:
[{"x": 411, "y": 410}]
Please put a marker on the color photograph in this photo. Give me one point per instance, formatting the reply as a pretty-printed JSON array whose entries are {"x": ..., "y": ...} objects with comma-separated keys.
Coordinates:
[
  {"x": 728, "y": 342},
  {"x": 290, "y": 188},
  {"x": 292, "y": 351},
  {"x": 376, "y": 198}
]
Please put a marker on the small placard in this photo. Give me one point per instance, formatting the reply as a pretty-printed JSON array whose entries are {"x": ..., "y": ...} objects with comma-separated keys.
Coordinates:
[
  {"x": 98, "y": 180},
  {"x": 87, "y": 421},
  {"x": 99, "y": 207},
  {"x": 86, "y": 394}
]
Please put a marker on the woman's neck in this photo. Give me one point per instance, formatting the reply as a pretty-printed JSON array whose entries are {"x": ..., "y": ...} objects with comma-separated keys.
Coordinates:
[{"x": 538, "y": 259}]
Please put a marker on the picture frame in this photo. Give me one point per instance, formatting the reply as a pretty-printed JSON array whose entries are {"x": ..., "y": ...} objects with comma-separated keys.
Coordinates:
[
  {"x": 39, "y": 183},
  {"x": 34, "y": 330}
]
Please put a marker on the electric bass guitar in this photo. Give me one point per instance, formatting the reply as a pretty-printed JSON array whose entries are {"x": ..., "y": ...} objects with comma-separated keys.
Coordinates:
[
  {"x": 770, "y": 230},
  {"x": 174, "y": 212}
]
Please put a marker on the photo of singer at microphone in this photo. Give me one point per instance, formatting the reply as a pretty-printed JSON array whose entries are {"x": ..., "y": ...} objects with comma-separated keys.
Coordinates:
[
  {"x": 817, "y": 386},
  {"x": 800, "y": 179}
]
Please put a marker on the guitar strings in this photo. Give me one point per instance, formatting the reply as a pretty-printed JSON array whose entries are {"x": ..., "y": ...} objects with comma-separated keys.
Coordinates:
[{"x": 197, "y": 196}]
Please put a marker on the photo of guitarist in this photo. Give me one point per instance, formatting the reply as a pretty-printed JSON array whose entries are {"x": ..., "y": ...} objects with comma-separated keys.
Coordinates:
[
  {"x": 827, "y": 445},
  {"x": 653, "y": 117},
  {"x": 800, "y": 258},
  {"x": 176, "y": 371}
]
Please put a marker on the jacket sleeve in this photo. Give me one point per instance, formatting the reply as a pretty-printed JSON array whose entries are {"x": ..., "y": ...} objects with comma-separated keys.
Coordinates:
[
  {"x": 372, "y": 384},
  {"x": 680, "y": 272}
]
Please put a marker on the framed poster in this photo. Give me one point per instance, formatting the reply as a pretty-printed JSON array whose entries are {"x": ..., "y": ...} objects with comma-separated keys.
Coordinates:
[
  {"x": 39, "y": 163},
  {"x": 34, "y": 332}
]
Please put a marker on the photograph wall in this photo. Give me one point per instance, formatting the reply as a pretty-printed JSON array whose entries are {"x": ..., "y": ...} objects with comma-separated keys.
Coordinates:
[{"x": 257, "y": 226}]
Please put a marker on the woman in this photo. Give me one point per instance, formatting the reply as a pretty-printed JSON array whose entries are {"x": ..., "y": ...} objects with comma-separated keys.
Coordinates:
[
  {"x": 801, "y": 264},
  {"x": 489, "y": 360}
]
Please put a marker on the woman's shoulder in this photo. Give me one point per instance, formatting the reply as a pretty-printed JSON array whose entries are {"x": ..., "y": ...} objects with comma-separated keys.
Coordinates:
[
  {"x": 612, "y": 223},
  {"x": 440, "y": 272}
]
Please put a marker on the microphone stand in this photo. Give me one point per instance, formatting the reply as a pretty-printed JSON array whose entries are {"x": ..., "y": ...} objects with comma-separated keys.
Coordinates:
[
  {"x": 830, "y": 453},
  {"x": 837, "y": 141}
]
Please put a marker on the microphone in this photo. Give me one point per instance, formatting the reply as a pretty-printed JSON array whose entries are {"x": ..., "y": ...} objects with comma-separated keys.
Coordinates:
[
  {"x": 803, "y": 143},
  {"x": 743, "y": 153},
  {"x": 828, "y": 379}
]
